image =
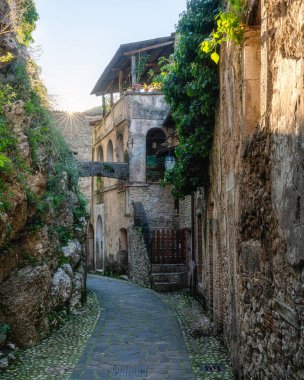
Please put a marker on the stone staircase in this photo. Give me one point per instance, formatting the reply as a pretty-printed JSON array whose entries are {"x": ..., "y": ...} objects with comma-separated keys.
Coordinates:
[{"x": 169, "y": 277}]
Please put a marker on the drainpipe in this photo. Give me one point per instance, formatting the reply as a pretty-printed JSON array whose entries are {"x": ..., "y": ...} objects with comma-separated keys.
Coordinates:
[{"x": 193, "y": 282}]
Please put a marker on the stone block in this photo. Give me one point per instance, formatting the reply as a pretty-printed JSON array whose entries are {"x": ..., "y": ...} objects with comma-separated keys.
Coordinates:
[
  {"x": 251, "y": 252},
  {"x": 287, "y": 313}
]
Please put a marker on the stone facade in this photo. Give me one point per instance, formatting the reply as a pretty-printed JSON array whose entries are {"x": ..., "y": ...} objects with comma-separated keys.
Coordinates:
[
  {"x": 121, "y": 137},
  {"x": 250, "y": 268}
]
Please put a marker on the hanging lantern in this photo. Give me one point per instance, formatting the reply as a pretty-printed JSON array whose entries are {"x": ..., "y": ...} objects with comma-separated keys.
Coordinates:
[{"x": 169, "y": 162}]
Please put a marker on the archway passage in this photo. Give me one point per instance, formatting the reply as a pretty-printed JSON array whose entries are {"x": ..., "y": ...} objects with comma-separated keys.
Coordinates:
[
  {"x": 99, "y": 263},
  {"x": 90, "y": 248},
  {"x": 123, "y": 250}
]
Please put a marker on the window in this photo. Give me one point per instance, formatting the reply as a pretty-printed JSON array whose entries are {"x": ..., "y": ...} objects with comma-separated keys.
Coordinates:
[{"x": 155, "y": 167}]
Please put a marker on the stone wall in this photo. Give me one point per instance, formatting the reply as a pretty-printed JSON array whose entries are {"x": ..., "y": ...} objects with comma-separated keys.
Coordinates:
[
  {"x": 77, "y": 132},
  {"x": 139, "y": 262},
  {"x": 252, "y": 273}
]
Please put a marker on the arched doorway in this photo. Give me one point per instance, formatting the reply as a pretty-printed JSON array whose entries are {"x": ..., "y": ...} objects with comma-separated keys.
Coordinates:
[
  {"x": 99, "y": 261},
  {"x": 123, "y": 250},
  {"x": 90, "y": 245}
]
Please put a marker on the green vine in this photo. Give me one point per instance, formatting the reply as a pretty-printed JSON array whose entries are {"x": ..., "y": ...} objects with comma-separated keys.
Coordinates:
[
  {"x": 190, "y": 84},
  {"x": 140, "y": 66},
  {"x": 229, "y": 27}
]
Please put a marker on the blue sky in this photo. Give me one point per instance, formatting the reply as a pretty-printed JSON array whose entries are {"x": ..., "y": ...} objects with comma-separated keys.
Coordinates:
[{"x": 79, "y": 37}]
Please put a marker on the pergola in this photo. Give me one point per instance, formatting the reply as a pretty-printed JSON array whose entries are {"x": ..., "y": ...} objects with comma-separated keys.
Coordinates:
[{"x": 120, "y": 73}]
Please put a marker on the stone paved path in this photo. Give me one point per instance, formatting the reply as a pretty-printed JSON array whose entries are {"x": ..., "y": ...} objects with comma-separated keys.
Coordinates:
[{"x": 137, "y": 337}]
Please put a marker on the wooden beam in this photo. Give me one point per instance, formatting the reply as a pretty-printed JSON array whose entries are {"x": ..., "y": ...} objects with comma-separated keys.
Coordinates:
[
  {"x": 133, "y": 70},
  {"x": 120, "y": 79},
  {"x": 150, "y": 47},
  {"x": 103, "y": 105}
]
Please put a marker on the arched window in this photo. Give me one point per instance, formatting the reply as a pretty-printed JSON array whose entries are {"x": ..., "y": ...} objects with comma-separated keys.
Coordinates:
[
  {"x": 155, "y": 141},
  {"x": 120, "y": 149},
  {"x": 110, "y": 151},
  {"x": 100, "y": 154}
]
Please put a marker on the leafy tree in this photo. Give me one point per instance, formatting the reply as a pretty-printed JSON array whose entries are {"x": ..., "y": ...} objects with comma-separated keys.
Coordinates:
[{"x": 190, "y": 84}]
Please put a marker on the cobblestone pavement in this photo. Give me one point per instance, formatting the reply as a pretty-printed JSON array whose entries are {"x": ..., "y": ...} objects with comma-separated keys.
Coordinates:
[
  {"x": 137, "y": 337},
  {"x": 56, "y": 356},
  {"x": 208, "y": 356}
]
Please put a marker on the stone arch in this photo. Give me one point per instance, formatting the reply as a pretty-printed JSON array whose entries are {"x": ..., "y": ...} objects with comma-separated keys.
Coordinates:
[
  {"x": 99, "y": 254},
  {"x": 90, "y": 247},
  {"x": 123, "y": 250},
  {"x": 100, "y": 156},
  {"x": 120, "y": 148},
  {"x": 110, "y": 156},
  {"x": 155, "y": 168}
]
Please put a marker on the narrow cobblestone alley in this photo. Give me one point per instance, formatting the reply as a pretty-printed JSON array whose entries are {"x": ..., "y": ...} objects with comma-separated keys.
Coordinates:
[{"x": 137, "y": 336}]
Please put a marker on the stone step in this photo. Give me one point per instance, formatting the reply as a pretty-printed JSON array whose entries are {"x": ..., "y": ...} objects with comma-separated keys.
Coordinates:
[
  {"x": 166, "y": 268},
  {"x": 165, "y": 286},
  {"x": 169, "y": 277}
]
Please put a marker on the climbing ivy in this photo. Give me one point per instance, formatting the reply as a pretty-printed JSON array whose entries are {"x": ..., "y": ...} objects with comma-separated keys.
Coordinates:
[
  {"x": 190, "y": 84},
  {"x": 229, "y": 27}
]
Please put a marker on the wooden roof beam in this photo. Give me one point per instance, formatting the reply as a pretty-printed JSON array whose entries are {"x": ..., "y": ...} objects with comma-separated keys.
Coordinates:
[{"x": 150, "y": 47}]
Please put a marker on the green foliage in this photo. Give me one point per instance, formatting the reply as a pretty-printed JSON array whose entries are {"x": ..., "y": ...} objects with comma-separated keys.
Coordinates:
[
  {"x": 6, "y": 58},
  {"x": 80, "y": 212},
  {"x": 140, "y": 66},
  {"x": 49, "y": 152},
  {"x": 4, "y": 328},
  {"x": 28, "y": 18},
  {"x": 228, "y": 28},
  {"x": 7, "y": 140},
  {"x": 190, "y": 84},
  {"x": 57, "y": 318}
]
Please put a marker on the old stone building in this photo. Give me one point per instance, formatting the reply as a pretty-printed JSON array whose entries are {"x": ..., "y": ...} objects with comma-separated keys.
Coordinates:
[
  {"x": 243, "y": 235},
  {"x": 249, "y": 223},
  {"x": 136, "y": 130}
]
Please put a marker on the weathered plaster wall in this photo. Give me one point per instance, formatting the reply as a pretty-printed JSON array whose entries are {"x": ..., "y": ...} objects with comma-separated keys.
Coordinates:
[{"x": 252, "y": 277}]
